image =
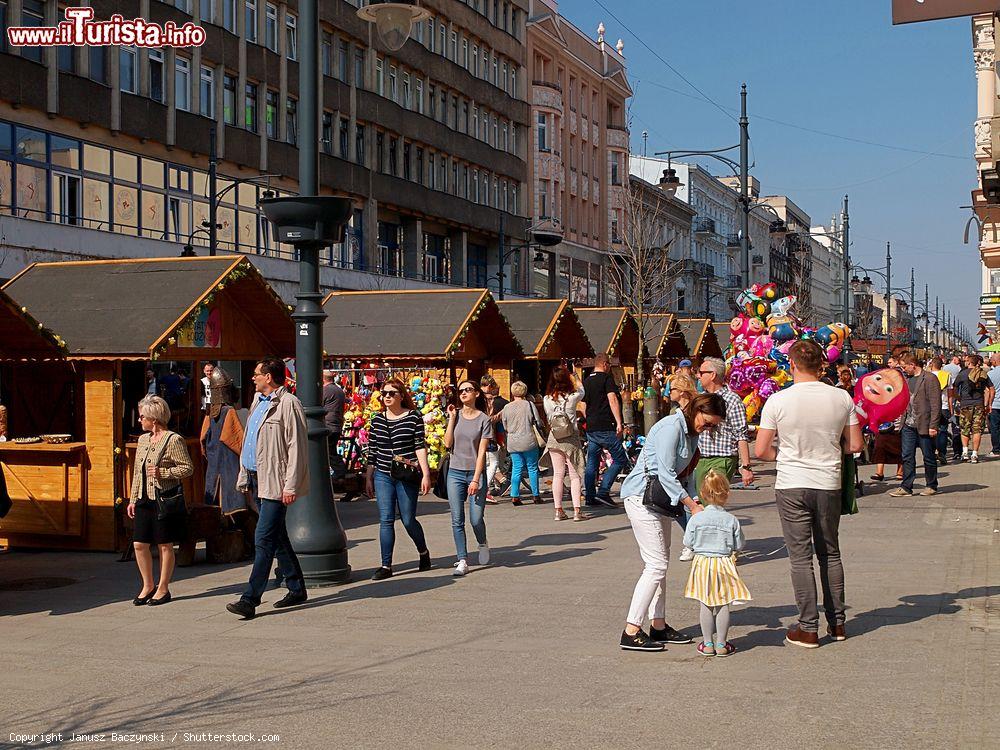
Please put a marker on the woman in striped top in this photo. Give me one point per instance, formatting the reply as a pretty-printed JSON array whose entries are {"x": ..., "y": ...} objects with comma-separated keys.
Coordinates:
[{"x": 397, "y": 432}]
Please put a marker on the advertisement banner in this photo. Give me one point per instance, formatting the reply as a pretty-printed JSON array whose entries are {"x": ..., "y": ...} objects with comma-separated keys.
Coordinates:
[{"x": 912, "y": 11}]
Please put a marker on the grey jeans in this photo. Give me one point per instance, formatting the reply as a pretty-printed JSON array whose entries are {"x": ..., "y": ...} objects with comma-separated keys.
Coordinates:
[{"x": 810, "y": 521}]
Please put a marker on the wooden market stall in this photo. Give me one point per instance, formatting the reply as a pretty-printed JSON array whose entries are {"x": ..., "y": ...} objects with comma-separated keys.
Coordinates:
[
  {"x": 665, "y": 340},
  {"x": 700, "y": 337},
  {"x": 550, "y": 334},
  {"x": 613, "y": 331},
  {"x": 122, "y": 321},
  {"x": 722, "y": 334}
]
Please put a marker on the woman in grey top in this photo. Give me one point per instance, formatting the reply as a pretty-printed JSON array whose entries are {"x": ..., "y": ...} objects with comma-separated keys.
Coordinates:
[
  {"x": 518, "y": 417},
  {"x": 468, "y": 435}
]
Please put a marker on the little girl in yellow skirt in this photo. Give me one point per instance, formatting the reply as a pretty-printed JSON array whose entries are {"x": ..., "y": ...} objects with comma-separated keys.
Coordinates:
[{"x": 715, "y": 536}]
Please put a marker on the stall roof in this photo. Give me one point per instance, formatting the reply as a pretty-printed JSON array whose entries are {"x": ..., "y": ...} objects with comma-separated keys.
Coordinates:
[
  {"x": 106, "y": 309},
  {"x": 722, "y": 333},
  {"x": 700, "y": 337},
  {"x": 413, "y": 324},
  {"x": 605, "y": 325},
  {"x": 664, "y": 337},
  {"x": 23, "y": 337},
  {"x": 547, "y": 327}
]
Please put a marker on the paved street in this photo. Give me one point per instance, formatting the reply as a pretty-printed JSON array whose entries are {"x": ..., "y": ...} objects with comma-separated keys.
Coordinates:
[{"x": 524, "y": 653}]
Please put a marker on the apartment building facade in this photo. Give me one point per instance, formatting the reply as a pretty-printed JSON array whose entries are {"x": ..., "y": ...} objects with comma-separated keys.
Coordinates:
[
  {"x": 986, "y": 196},
  {"x": 578, "y": 165},
  {"x": 111, "y": 143}
]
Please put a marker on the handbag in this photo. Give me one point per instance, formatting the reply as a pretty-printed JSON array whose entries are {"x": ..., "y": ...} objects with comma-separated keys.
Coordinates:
[
  {"x": 539, "y": 438},
  {"x": 655, "y": 497},
  {"x": 441, "y": 483},
  {"x": 561, "y": 425},
  {"x": 169, "y": 502},
  {"x": 403, "y": 469}
]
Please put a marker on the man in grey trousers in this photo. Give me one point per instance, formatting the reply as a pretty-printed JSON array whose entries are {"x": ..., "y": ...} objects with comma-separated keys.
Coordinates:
[{"x": 815, "y": 424}]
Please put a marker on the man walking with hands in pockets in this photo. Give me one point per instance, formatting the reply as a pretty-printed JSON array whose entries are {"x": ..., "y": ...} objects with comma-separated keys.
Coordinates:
[{"x": 274, "y": 468}]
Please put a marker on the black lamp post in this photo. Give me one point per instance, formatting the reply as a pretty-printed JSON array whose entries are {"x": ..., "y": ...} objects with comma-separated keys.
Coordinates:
[
  {"x": 309, "y": 222},
  {"x": 541, "y": 238}
]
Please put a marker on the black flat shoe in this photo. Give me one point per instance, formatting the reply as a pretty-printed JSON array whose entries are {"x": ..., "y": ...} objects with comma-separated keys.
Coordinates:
[
  {"x": 242, "y": 608},
  {"x": 141, "y": 600},
  {"x": 382, "y": 573},
  {"x": 878, "y": 478},
  {"x": 161, "y": 600},
  {"x": 290, "y": 600},
  {"x": 425, "y": 561}
]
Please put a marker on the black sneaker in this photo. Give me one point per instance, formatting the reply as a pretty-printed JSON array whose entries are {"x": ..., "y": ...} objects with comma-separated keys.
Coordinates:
[
  {"x": 606, "y": 501},
  {"x": 639, "y": 642},
  {"x": 667, "y": 635},
  {"x": 290, "y": 600},
  {"x": 382, "y": 573},
  {"x": 242, "y": 608},
  {"x": 425, "y": 561}
]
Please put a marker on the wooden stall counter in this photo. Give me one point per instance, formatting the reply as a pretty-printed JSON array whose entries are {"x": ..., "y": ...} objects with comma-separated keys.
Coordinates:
[{"x": 48, "y": 486}]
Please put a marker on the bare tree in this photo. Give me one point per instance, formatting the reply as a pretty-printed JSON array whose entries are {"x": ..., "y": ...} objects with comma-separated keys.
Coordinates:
[
  {"x": 800, "y": 268},
  {"x": 648, "y": 259}
]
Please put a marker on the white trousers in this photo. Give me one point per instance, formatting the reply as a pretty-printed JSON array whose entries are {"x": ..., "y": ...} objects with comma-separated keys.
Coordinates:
[{"x": 652, "y": 534}]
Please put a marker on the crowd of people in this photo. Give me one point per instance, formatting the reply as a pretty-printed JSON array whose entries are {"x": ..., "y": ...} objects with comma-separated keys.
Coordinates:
[{"x": 681, "y": 475}]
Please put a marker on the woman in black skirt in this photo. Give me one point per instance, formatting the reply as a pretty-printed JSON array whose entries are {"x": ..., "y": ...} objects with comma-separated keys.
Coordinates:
[{"x": 161, "y": 463}]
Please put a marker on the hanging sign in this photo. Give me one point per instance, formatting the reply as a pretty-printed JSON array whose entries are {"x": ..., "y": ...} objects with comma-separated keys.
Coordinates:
[
  {"x": 911, "y": 11},
  {"x": 203, "y": 331}
]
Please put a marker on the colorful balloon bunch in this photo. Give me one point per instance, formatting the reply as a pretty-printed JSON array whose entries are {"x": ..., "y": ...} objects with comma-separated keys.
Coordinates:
[{"x": 760, "y": 338}]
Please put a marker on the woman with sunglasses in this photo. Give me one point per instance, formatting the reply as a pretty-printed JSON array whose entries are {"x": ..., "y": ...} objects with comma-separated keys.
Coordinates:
[
  {"x": 397, "y": 435},
  {"x": 467, "y": 437}
]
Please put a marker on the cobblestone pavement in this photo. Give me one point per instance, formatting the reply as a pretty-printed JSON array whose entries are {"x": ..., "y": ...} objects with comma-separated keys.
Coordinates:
[{"x": 524, "y": 653}]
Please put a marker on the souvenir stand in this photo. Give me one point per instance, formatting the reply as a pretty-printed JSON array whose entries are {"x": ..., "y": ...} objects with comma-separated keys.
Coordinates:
[
  {"x": 700, "y": 337},
  {"x": 613, "y": 331},
  {"x": 123, "y": 321},
  {"x": 428, "y": 338},
  {"x": 550, "y": 334}
]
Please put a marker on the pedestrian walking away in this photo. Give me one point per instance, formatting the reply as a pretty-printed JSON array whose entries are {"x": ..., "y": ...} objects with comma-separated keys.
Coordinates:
[
  {"x": 945, "y": 381},
  {"x": 994, "y": 376},
  {"x": 496, "y": 452},
  {"x": 468, "y": 435},
  {"x": 954, "y": 367},
  {"x": 161, "y": 463},
  {"x": 602, "y": 404},
  {"x": 715, "y": 536},
  {"x": 521, "y": 424},
  {"x": 815, "y": 425},
  {"x": 333, "y": 418},
  {"x": 972, "y": 396},
  {"x": 274, "y": 470},
  {"x": 397, "y": 471},
  {"x": 668, "y": 457},
  {"x": 563, "y": 446},
  {"x": 920, "y": 426}
]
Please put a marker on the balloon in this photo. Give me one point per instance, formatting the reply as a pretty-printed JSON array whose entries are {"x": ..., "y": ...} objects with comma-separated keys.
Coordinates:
[
  {"x": 832, "y": 354},
  {"x": 781, "y": 328},
  {"x": 783, "y": 305},
  {"x": 761, "y": 346},
  {"x": 881, "y": 396},
  {"x": 767, "y": 292},
  {"x": 833, "y": 334}
]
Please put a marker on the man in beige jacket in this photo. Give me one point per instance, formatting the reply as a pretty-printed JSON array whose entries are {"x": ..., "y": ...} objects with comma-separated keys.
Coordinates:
[{"x": 274, "y": 468}]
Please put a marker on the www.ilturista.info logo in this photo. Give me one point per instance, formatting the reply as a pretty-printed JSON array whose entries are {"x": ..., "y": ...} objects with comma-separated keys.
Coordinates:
[{"x": 79, "y": 29}]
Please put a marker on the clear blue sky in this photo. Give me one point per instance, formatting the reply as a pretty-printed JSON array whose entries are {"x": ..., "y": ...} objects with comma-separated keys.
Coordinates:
[{"x": 839, "y": 67}]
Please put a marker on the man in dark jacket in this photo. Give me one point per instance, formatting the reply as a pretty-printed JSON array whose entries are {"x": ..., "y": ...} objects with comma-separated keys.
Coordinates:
[{"x": 920, "y": 425}]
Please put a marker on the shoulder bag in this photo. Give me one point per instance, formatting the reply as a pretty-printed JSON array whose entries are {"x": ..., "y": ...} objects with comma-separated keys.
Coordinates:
[
  {"x": 169, "y": 502},
  {"x": 539, "y": 438},
  {"x": 655, "y": 497},
  {"x": 402, "y": 469}
]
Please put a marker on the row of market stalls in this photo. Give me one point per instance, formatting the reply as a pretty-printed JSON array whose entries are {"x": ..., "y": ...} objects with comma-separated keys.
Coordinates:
[{"x": 82, "y": 342}]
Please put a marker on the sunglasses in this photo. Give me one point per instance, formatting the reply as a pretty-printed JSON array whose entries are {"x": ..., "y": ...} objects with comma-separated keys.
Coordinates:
[
  {"x": 466, "y": 390},
  {"x": 706, "y": 372},
  {"x": 390, "y": 394}
]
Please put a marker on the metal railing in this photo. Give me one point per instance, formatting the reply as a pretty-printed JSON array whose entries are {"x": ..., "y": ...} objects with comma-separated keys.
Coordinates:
[{"x": 703, "y": 225}]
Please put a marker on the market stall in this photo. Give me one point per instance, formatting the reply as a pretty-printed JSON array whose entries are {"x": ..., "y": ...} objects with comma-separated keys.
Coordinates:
[
  {"x": 614, "y": 331},
  {"x": 700, "y": 337},
  {"x": 550, "y": 334},
  {"x": 130, "y": 327},
  {"x": 722, "y": 333},
  {"x": 665, "y": 342}
]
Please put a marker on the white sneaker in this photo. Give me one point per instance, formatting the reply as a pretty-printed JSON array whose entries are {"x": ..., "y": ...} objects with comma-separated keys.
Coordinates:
[
  {"x": 461, "y": 568},
  {"x": 975, "y": 458},
  {"x": 484, "y": 554},
  {"x": 687, "y": 555}
]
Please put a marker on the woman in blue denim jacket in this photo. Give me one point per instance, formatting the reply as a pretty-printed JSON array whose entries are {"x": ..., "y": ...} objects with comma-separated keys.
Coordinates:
[{"x": 670, "y": 450}]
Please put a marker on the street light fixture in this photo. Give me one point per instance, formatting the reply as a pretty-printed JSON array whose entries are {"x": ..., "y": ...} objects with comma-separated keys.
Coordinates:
[
  {"x": 393, "y": 21},
  {"x": 540, "y": 238}
]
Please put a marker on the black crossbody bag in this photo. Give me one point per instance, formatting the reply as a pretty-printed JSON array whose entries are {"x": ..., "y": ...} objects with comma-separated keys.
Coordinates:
[
  {"x": 656, "y": 498},
  {"x": 402, "y": 469},
  {"x": 169, "y": 502}
]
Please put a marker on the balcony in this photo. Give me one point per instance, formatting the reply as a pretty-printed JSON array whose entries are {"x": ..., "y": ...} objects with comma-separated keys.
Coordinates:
[
  {"x": 548, "y": 84},
  {"x": 618, "y": 137},
  {"x": 733, "y": 240},
  {"x": 734, "y": 281},
  {"x": 547, "y": 95},
  {"x": 703, "y": 225}
]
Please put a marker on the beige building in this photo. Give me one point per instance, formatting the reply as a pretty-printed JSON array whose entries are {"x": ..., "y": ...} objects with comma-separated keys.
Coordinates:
[
  {"x": 578, "y": 165},
  {"x": 986, "y": 197}
]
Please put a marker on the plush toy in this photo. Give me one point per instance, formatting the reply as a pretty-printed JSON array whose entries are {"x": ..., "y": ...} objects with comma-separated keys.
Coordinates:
[
  {"x": 833, "y": 335},
  {"x": 881, "y": 396},
  {"x": 782, "y": 306}
]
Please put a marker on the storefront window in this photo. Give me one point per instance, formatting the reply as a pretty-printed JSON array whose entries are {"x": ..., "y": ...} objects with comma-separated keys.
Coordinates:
[
  {"x": 562, "y": 280},
  {"x": 126, "y": 167},
  {"x": 152, "y": 173},
  {"x": 126, "y": 212},
  {"x": 64, "y": 152},
  {"x": 578, "y": 282},
  {"x": 153, "y": 214}
]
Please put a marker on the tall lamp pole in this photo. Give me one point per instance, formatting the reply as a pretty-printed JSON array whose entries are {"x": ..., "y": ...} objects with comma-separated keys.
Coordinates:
[
  {"x": 744, "y": 189},
  {"x": 888, "y": 302},
  {"x": 845, "y": 245}
]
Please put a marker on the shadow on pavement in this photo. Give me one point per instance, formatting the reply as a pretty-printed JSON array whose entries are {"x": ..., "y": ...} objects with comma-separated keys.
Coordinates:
[
  {"x": 763, "y": 550},
  {"x": 915, "y": 607}
]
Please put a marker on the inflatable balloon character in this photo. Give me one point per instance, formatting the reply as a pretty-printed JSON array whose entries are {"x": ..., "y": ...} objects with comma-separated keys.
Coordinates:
[
  {"x": 767, "y": 292},
  {"x": 881, "y": 396},
  {"x": 783, "y": 306},
  {"x": 782, "y": 328},
  {"x": 834, "y": 334}
]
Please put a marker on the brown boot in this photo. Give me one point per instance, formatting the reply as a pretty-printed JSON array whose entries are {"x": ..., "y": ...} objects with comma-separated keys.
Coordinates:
[
  {"x": 837, "y": 632},
  {"x": 798, "y": 637}
]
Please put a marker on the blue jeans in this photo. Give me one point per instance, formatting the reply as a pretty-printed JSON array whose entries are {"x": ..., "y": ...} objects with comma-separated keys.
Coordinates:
[
  {"x": 270, "y": 541},
  {"x": 518, "y": 461},
  {"x": 597, "y": 442},
  {"x": 391, "y": 494},
  {"x": 942, "y": 439},
  {"x": 994, "y": 430},
  {"x": 910, "y": 438},
  {"x": 458, "y": 493}
]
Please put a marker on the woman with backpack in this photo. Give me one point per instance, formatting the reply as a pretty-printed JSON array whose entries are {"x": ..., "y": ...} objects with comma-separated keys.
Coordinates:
[{"x": 564, "y": 449}]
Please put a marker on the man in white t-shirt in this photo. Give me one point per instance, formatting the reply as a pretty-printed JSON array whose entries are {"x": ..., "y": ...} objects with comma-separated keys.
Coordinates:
[{"x": 815, "y": 425}]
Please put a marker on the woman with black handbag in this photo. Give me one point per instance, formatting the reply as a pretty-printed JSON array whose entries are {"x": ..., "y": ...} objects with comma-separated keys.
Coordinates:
[
  {"x": 156, "y": 501},
  {"x": 654, "y": 495},
  {"x": 397, "y": 471}
]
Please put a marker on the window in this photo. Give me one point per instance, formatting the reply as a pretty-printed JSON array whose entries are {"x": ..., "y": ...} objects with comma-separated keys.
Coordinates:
[
  {"x": 229, "y": 99},
  {"x": 419, "y": 95},
  {"x": 465, "y": 116},
  {"x": 420, "y": 165},
  {"x": 475, "y": 186},
  {"x": 454, "y": 177},
  {"x": 379, "y": 76},
  {"x": 443, "y": 172},
  {"x": 98, "y": 65},
  {"x": 359, "y": 144},
  {"x": 32, "y": 14},
  {"x": 406, "y": 90},
  {"x": 392, "y": 82},
  {"x": 343, "y": 56},
  {"x": 503, "y": 76},
  {"x": 379, "y": 152},
  {"x": 250, "y": 108},
  {"x": 271, "y": 27},
  {"x": 475, "y": 121},
  {"x": 126, "y": 69},
  {"x": 431, "y": 172},
  {"x": 344, "y": 129},
  {"x": 66, "y": 198},
  {"x": 292, "y": 120},
  {"x": 207, "y": 92},
  {"x": 453, "y": 50},
  {"x": 615, "y": 175},
  {"x": 543, "y": 199},
  {"x": 496, "y": 69},
  {"x": 465, "y": 53},
  {"x": 155, "y": 74},
  {"x": 454, "y": 112},
  {"x": 432, "y": 100},
  {"x": 206, "y": 11},
  {"x": 250, "y": 29},
  {"x": 393, "y": 156},
  {"x": 503, "y": 137},
  {"x": 228, "y": 14},
  {"x": 326, "y": 54},
  {"x": 182, "y": 83},
  {"x": 430, "y": 33},
  {"x": 442, "y": 40},
  {"x": 184, "y": 5},
  {"x": 65, "y": 59},
  {"x": 475, "y": 60},
  {"x": 271, "y": 113},
  {"x": 291, "y": 36},
  {"x": 359, "y": 68},
  {"x": 542, "y": 133},
  {"x": 326, "y": 138}
]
